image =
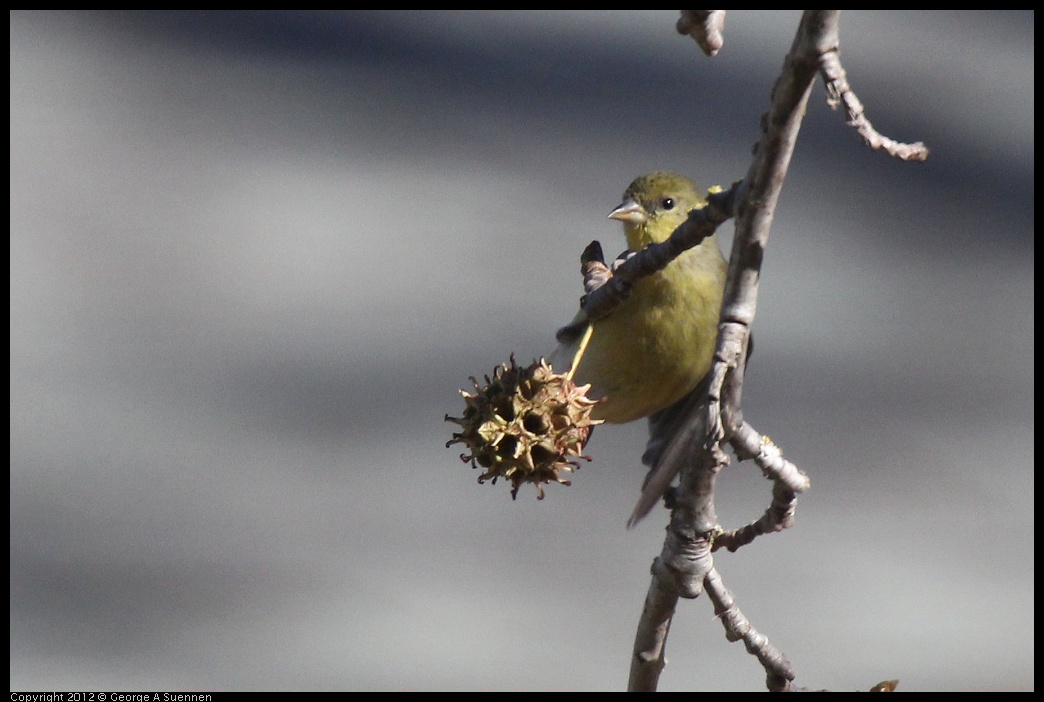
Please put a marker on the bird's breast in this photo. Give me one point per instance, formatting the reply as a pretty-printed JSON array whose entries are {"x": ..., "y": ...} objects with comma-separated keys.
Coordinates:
[{"x": 654, "y": 348}]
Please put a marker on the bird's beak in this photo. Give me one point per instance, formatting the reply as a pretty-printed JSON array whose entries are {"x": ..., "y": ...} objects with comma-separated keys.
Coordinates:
[{"x": 629, "y": 211}]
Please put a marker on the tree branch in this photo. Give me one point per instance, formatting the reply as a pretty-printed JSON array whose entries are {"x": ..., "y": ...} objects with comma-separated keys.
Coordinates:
[
  {"x": 685, "y": 439},
  {"x": 694, "y": 448}
]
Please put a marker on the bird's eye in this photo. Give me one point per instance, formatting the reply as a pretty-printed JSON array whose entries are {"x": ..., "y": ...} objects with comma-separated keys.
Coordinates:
[{"x": 667, "y": 203}]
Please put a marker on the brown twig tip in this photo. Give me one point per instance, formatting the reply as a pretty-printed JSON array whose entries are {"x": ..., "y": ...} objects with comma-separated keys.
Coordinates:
[
  {"x": 592, "y": 266},
  {"x": 840, "y": 93},
  {"x": 705, "y": 26}
]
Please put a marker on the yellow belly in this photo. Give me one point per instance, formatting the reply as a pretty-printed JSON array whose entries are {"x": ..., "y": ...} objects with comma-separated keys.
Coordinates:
[{"x": 654, "y": 348}]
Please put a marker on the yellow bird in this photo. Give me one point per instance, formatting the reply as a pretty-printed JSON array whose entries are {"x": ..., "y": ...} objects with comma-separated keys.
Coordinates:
[{"x": 653, "y": 349}]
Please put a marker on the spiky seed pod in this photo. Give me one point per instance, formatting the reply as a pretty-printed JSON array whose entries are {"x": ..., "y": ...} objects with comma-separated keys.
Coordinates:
[{"x": 526, "y": 425}]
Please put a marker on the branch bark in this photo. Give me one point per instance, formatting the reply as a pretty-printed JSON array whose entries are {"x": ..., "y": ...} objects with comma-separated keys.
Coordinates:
[
  {"x": 686, "y": 439},
  {"x": 696, "y": 427}
]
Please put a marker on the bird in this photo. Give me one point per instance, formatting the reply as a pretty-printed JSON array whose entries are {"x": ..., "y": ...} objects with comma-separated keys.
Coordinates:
[{"x": 656, "y": 347}]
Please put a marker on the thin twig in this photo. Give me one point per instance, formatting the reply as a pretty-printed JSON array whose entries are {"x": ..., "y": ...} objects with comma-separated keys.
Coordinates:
[
  {"x": 839, "y": 92},
  {"x": 738, "y": 628}
]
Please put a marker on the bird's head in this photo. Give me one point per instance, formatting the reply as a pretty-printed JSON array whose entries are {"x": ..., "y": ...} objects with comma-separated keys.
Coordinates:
[{"x": 654, "y": 206}]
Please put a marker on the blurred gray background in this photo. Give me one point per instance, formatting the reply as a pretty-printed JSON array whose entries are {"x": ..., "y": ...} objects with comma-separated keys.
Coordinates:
[{"x": 254, "y": 257}]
